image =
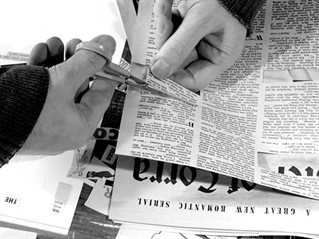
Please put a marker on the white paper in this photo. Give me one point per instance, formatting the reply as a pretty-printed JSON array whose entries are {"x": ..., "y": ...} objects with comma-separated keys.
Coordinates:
[
  {"x": 99, "y": 198},
  {"x": 25, "y": 23},
  {"x": 154, "y": 193},
  {"x": 126, "y": 232},
  {"x": 36, "y": 192},
  {"x": 8, "y": 233}
]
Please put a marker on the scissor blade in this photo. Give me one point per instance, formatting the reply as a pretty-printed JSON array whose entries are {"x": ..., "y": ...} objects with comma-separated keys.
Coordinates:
[
  {"x": 138, "y": 80},
  {"x": 137, "y": 83},
  {"x": 107, "y": 76},
  {"x": 158, "y": 92},
  {"x": 115, "y": 69}
]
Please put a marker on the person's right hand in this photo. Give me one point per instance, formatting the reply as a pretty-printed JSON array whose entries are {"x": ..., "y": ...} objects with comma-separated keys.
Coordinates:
[
  {"x": 207, "y": 42},
  {"x": 65, "y": 124}
]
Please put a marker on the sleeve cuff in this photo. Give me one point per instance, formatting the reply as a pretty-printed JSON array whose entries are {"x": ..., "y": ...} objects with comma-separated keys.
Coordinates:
[
  {"x": 244, "y": 10},
  {"x": 23, "y": 91}
]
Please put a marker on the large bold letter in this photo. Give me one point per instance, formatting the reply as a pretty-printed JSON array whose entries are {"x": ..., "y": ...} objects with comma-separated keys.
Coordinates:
[
  {"x": 137, "y": 168},
  {"x": 184, "y": 179},
  {"x": 209, "y": 189}
]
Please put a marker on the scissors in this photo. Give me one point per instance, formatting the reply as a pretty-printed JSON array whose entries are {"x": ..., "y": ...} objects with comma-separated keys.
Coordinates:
[{"x": 114, "y": 72}]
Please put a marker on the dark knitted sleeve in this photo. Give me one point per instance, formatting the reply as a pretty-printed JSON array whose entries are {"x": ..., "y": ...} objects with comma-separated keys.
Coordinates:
[
  {"x": 23, "y": 91},
  {"x": 243, "y": 10}
]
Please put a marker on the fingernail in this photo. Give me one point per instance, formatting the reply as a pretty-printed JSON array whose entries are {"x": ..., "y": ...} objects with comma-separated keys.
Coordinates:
[{"x": 160, "y": 69}]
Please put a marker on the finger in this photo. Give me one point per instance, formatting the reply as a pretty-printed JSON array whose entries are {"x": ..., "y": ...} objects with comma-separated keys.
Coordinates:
[
  {"x": 81, "y": 91},
  {"x": 164, "y": 28},
  {"x": 39, "y": 54},
  {"x": 176, "y": 49},
  {"x": 55, "y": 50},
  {"x": 164, "y": 25},
  {"x": 85, "y": 63},
  {"x": 198, "y": 74},
  {"x": 70, "y": 51},
  {"x": 219, "y": 55},
  {"x": 163, "y": 7},
  {"x": 70, "y": 47},
  {"x": 223, "y": 48},
  {"x": 193, "y": 56},
  {"x": 95, "y": 101},
  {"x": 210, "y": 50}
]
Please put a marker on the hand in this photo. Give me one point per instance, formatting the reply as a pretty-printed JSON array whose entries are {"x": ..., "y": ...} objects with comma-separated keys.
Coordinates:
[
  {"x": 64, "y": 124},
  {"x": 207, "y": 42}
]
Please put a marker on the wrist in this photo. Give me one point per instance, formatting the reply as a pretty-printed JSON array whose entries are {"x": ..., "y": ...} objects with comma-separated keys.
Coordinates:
[
  {"x": 244, "y": 10},
  {"x": 23, "y": 93}
]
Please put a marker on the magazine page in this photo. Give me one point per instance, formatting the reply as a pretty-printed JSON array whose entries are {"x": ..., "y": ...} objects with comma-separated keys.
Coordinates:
[
  {"x": 150, "y": 192},
  {"x": 232, "y": 124},
  {"x": 36, "y": 193}
]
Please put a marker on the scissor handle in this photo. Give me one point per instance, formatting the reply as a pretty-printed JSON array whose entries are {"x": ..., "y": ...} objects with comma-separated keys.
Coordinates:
[{"x": 97, "y": 48}]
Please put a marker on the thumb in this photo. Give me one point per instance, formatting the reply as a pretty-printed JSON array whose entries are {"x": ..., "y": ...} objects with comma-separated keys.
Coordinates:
[
  {"x": 177, "y": 48},
  {"x": 84, "y": 63}
]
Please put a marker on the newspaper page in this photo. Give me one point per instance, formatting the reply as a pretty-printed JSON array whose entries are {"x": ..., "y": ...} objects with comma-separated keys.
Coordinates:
[
  {"x": 146, "y": 230},
  {"x": 150, "y": 192},
  {"x": 264, "y": 106},
  {"x": 126, "y": 232}
]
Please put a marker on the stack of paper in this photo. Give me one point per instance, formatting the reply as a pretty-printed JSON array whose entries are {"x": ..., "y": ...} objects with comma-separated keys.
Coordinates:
[
  {"x": 166, "y": 197},
  {"x": 257, "y": 112},
  {"x": 255, "y": 125}
]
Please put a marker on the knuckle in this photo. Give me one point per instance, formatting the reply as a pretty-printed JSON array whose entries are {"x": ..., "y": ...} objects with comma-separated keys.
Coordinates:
[
  {"x": 92, "y": 59},
  {"x": 81, "y": 139},
  {"x": 178, "y": 50}
]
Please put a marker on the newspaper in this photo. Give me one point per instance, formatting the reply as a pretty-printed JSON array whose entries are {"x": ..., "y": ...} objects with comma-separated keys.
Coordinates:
[
  {"x": 126, "y": 232},
  {"x": 145, "y": 231},
  {"x": 264, "y": 107},
  {"x": 169, "y": 195}
]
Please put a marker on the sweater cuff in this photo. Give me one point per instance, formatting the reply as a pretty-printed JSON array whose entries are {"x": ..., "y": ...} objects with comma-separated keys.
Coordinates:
[
  {"x": 23, "y": 91},
  {"x": 244, "y": 10}
]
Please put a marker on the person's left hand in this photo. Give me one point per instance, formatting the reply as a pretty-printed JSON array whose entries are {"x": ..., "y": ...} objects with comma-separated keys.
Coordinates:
[
  {"x": 71, "y": 111},
  {"x": 53, "y": 52}
]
